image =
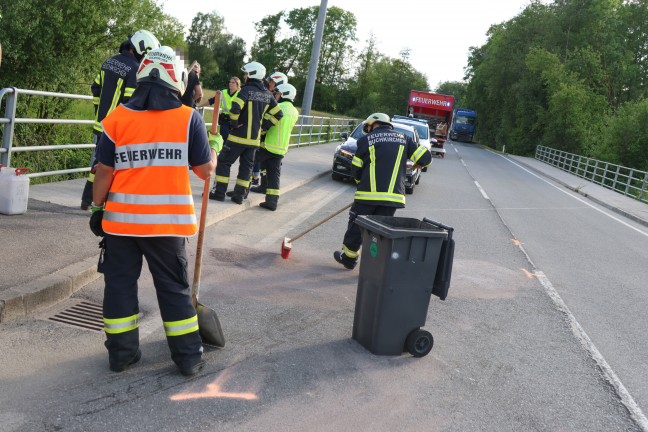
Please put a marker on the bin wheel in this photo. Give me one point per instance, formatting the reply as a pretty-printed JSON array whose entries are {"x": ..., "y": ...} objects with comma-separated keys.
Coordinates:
[{"x": 419, "y": 343}]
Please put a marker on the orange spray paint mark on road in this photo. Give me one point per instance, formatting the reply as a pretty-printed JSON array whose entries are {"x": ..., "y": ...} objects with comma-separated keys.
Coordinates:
[
  {"x": 528, "y": 273},
  {"x": 212, "y": 391},
  {"x": 516, "y": 242}
]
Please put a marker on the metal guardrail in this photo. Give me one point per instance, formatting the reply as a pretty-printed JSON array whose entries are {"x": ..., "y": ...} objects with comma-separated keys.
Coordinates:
[
  {"x": 628, "y": 181},
  {"x": 309, "y": 130}
]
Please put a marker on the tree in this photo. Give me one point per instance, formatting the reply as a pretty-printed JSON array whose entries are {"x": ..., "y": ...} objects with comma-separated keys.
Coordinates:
[
  {"x": 59, "y": 45},
  {"x": 291, "y": 53},
  {"x": 455, "y": 88},
  {"x": 219, "y": 53},
  {"x": 625, "y": 140},
  {"x": 268, "y": 47}
]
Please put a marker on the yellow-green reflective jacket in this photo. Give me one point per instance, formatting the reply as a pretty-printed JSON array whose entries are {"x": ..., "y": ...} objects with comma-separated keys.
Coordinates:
[
  {"x": 226, "y": 100},
  {"x": 277, "y": 138}
]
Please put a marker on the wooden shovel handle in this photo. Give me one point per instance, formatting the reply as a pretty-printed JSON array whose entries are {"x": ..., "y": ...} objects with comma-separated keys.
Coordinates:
[{"x": 214, "y": 125}]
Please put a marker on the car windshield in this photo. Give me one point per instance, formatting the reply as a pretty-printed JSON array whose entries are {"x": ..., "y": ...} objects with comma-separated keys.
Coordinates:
[
  {"x": 421, "y": 128},
  {"x": 358, "y": 133}
]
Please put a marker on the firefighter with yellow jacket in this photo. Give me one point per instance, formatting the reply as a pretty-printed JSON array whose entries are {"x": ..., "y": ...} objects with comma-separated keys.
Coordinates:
[
  {"x": 143, "y": 207},
  {"x": 379, "y": 166},
  {"x": 275, "y": 147},
  {"x": 253, "y": 105}
]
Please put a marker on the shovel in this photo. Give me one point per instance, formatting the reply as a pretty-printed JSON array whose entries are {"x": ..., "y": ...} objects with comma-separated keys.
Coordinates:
[{"x": 209, "y": 327}]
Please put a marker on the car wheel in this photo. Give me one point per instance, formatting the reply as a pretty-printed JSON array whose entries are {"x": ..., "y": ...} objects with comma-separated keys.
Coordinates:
[{"x": 336, "y": 176}]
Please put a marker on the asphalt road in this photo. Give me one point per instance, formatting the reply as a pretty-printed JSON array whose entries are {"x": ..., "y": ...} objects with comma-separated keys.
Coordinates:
[{"x": 540, "y": 279}]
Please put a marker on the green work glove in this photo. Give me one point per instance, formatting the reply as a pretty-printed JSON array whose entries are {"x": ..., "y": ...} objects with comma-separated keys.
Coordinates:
[{"x": 215, "y": 142}]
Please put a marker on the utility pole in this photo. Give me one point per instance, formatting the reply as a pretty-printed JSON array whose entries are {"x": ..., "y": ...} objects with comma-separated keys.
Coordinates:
[{"x": 314, "y": 60}]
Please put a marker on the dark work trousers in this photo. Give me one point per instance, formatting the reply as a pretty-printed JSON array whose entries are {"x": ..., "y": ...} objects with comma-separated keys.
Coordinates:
[
  {"x": 226, "y": 158},
  {"x": 167, "y": 261},
  {"x": 224, "y": 129},
  {"x": 353, "y": 235},
  {"x": 271, "y": 164},
  {"x": 86, "y": 196}
]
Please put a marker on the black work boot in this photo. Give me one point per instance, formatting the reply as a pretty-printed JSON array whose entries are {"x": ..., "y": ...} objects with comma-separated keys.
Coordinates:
[
  {"x": 263, "y": 185},
  {"x": 121, "y": 367},
  {"x": 347, "y": 262},
  {"x": 271, "y": 202},
  {"x": 269, "y": 206},
  {"x": 190, "y": 370},
  {"x": 216, "y": 196},
  {"x": 123, "y": 349},
  {"x": 238, "y": 199}
]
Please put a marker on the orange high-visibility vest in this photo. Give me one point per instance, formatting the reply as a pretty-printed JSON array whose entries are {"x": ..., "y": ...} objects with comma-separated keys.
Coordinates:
[{"x": 150, "y": 194}]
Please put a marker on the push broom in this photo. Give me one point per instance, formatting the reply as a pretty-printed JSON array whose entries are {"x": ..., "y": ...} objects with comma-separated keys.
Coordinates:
[{"x": 286, "y": 245}]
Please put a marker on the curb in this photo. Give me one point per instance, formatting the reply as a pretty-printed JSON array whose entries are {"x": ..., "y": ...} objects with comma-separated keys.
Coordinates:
[{"x": 45, "y": 291}]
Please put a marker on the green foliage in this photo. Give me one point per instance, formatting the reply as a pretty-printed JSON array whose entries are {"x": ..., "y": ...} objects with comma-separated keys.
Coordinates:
[
  {"x": 383, "y": 84},
  {"x": 558, "y": 74},
  {"x": 290, "y": 53},
  {"x": 623, "y": 142},
  {"x": 455, "y": 88},
  {"x": 219, "y": 52},
  {"x": 59, "y": 45}
]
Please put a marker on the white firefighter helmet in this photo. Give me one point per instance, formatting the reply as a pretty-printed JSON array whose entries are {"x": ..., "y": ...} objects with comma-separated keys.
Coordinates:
[
  {"x": 381, "y": 118},
  {"x": 161, "y": 66},
  {"x": 143, "y": 41},
  {"x": 278, "y": 78},
  {"x": 288, "y": 91},
  {"x": 255, "y": 70}
]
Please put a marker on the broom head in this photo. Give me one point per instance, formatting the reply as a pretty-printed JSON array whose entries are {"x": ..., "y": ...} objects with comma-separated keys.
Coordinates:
[{"x": 286, "y": 247}]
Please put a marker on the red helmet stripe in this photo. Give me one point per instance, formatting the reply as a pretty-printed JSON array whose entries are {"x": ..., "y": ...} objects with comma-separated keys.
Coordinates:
[{"x": 170, "y": 70}]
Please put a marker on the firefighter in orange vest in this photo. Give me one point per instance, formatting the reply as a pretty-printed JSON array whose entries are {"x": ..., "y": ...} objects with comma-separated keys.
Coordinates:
[{"x": 143, "y": 206}]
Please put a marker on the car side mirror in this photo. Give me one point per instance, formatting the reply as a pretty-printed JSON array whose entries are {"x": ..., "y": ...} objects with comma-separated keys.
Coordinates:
[{"x": 344, "y": 135}]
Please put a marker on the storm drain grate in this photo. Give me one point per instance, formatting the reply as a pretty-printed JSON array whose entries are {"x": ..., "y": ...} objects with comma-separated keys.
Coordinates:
[{"x": 83, "y": 314}]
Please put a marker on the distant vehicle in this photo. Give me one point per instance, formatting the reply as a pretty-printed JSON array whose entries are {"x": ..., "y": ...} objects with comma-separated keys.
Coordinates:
[
  {"x": 344, "y": 155},
  {"x": 436, "y": 109},
  {"x": 464, "y": 122}
]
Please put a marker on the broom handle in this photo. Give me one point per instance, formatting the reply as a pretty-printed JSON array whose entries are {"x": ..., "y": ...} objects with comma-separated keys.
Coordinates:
[{"x": 328, "y": 218}]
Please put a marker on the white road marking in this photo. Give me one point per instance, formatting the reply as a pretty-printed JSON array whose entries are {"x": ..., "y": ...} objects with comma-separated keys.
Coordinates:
[
  {"x": 577, "y": 198},
  {"x": 626, "y": 398},
  {"x": 578, "y": 331},
  {"x": 481, "y": 190}
]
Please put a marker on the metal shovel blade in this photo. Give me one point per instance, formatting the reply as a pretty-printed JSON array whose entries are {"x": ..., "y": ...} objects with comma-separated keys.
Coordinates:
[{"x": 209, "y": 327}]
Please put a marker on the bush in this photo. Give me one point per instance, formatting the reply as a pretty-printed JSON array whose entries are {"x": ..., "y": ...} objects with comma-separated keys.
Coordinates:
[{"x": 625, "y": 140}]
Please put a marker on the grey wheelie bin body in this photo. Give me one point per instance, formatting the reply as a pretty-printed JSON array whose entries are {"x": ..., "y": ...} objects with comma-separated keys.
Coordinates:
[{"x": 403, "y": 261}]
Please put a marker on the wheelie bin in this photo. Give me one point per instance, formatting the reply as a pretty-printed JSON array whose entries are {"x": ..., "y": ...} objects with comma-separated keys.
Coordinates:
[{"x": 403, "y": 262}]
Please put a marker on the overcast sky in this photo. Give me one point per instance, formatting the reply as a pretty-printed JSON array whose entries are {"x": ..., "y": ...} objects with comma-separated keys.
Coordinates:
[{"x": 438, "y": 33}]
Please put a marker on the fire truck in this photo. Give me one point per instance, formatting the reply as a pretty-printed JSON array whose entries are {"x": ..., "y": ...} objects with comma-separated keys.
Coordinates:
[{"x": 437, "y": 110}]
